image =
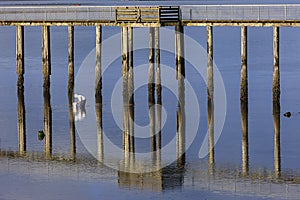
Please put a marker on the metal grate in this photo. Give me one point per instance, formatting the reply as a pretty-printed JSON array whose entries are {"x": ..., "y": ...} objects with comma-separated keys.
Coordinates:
[{"x": 169, "y": 14}]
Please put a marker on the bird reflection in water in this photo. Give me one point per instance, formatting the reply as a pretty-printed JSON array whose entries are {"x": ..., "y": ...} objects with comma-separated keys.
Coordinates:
[{"x": 79, "y": 107}]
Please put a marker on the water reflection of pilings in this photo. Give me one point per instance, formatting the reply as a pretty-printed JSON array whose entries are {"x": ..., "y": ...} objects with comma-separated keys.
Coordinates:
[
  {"x": 244, "y": 101},
  {"x": 169, "y": 177},
  {"x": 21, "y": 117},
  {"x": 277, "y": 157},
  {"x": 180, "y": 75},
  {"x": 72, "y": 125},
  {"x": 47, "y": 119},
  {"x": 180, "y": 134},
  {"x": 98, "y": 109},
  {"x": 211, "y": 151},
  {"x": 245, "y": 150},
  {"x": 210, "y": 100}
]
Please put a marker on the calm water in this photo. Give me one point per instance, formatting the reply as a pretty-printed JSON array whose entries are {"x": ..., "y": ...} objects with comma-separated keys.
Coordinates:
[{"x": 33, "y": 177}]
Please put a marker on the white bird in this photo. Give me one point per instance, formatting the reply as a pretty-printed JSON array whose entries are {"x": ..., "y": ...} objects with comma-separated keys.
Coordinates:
[{"x": 79, "y": 106}]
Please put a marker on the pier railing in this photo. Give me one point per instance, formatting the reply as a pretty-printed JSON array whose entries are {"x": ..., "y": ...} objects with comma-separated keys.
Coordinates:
[
  {"x": 241, "y": 12},
  {"x": 57, "y": 13},
  {"x": 113, "y": 14}
]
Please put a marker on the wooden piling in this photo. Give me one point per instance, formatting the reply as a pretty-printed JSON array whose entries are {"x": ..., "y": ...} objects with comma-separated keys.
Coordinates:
[
  {"x": 46, "y": 62},
  {"x": 21, "y": 118},
  {"x": 180, "y": 76},
  {"x": 180, "y": 63},
  {"x": 158, "y": 87},
  {"x": 210, "y": 99},
  {"x": 130, "y": 65},
  {"x": 125, "y": 52},
  {"x": 98, "y": 68},
  {"x": 98, "y": 93},
  {"x": 125, "y": 67},
  {"x": 151, "y": 90},
  {"x": 245, "y": 149},
  {"x": 276, "y": 102},
  {"x": 210, "y": 75},
  {"x": 151, "y": 77},
  {"x": 276, "y": 73},
  {"x": 130, "y": 89},
  {"x": 20, "y": 89},
  {"x": 72, "y": 126},
  {"x": 20, "y": 52},
  {"x": 70, "y": 58},
  {"x": 46, "y": 57},
  {"x": 244, "y": 73},
  {"x": 244, "y": 101}
]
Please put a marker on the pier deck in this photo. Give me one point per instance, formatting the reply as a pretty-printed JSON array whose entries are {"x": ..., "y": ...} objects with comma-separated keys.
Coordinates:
[{"x": 149, "y": 16}]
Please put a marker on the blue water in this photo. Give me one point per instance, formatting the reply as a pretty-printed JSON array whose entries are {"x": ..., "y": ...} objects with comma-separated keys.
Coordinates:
[{"x": 228, "y": 153}]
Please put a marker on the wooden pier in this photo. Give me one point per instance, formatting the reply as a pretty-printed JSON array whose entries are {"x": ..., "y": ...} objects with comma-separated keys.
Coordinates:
[{"x": 128, "y": 17}]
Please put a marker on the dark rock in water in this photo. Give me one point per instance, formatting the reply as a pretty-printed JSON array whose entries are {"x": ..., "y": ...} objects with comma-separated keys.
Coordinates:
[
  {"x": 287, "y": 114},
  {"x": 41, "y": 135}
]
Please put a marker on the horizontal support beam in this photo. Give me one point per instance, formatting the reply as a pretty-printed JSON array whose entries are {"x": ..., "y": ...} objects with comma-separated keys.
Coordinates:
[
  {"x": 269, "y": 23},
  {"x": 155, "y": 24}
]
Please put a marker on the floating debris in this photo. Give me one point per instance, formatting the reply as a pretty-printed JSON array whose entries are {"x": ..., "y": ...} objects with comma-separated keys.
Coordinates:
[
  {"x": 287, "y": 114},
  {"x": 41, "y": 134}
]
